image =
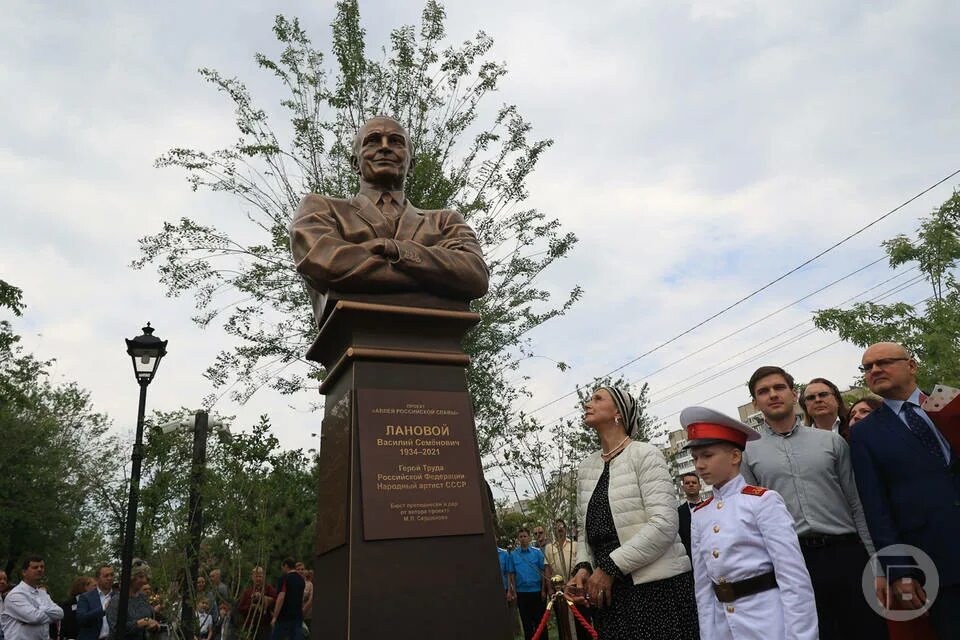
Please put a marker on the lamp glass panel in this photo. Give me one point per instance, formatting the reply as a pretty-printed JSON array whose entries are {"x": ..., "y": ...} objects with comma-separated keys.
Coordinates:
[{"x": 144, "y": 362}]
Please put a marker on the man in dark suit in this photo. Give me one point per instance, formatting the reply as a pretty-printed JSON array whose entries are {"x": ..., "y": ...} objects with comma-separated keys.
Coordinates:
[
  {"x": 92, "y": 607},
  {"x": 377, "y": 242},
  {"x": 691, "y": 489},
  {"x": 909, "y": 483}
]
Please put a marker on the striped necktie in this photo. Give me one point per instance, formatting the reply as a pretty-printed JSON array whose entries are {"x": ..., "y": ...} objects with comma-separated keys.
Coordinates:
[{"x": 922, "y": 430}]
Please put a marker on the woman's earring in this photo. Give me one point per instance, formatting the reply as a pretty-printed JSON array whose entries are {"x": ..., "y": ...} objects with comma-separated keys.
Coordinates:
[{"x": 617, "y": 419}]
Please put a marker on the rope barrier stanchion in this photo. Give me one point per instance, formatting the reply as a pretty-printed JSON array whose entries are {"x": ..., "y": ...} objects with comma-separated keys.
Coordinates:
[{"x": 559, "y": 598}]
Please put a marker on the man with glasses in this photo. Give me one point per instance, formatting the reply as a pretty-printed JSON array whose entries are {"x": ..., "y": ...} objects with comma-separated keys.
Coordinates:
[
  {"x": 811, "y": 470},
  {"x": 909, "y": 481},
  {"x": 824, "y": 407},
  {"x": 560, "y": 556},
  {"x": 539, "y": 538}
]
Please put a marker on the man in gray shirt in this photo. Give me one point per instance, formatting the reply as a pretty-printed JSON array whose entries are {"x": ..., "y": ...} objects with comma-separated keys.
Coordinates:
[{"x": 811, "y": 469}]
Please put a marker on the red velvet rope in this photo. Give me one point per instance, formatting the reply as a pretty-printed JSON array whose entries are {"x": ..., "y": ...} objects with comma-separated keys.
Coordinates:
[
  {"x": 543, "y": 624},
  {"x": 583, "y": 621}
]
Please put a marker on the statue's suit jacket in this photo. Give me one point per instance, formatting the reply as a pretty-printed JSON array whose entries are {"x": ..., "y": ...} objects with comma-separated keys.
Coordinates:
[{"x": 439, "y": 253}]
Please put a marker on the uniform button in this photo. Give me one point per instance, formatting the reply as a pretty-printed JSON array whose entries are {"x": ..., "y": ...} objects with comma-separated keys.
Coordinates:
[
  {"x": 716, "y": 554},
  {"x": 729, "y": 608},
  {"x": 716, "y": 528},
  {"x": 720, "y": 505},
  {"x": 721, "y": 580}
]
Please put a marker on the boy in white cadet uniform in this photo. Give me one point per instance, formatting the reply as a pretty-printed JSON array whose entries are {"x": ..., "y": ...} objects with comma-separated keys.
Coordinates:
[{"x": 750, "y": 577}]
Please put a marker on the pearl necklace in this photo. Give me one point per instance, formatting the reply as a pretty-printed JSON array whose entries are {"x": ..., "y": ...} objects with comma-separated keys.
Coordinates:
[{"x": 607, "y": 454}]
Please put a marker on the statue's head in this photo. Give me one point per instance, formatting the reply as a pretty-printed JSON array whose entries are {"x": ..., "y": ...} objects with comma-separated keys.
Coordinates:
[{"x": 382, "y": 153}]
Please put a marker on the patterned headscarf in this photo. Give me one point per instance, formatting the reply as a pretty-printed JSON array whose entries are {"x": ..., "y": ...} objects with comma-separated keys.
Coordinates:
[{"x": 627, "y": 406}]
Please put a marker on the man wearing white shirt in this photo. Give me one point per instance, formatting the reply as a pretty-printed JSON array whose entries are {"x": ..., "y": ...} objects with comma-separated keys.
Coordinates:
[{"x": 28, "y": 610}]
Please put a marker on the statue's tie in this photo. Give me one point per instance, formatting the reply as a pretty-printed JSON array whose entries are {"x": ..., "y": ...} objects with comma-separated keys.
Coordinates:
[
  {"x": 922, "y": 430},
  {"x": 389, "y": 207}
]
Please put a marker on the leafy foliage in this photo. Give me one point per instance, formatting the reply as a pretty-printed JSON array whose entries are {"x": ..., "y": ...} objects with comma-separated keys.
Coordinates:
[
  {"x": 65, "y": 493},
  {"x": 931, "y": 332},
  {"x": 258, "y": 503},
  {"x": 56, "y": 455},
  {"x": 476, "y": 166}
]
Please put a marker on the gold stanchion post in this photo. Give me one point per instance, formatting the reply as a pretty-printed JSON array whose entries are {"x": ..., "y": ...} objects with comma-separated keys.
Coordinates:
[{"x": 562, "y": 611}]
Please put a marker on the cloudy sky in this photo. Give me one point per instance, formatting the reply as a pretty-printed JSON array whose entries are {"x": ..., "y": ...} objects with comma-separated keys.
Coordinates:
[{"x": 703, "y": 148}]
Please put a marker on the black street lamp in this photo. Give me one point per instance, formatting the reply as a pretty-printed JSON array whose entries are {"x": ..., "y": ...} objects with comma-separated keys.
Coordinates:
[{"x": 146, "y": 351}]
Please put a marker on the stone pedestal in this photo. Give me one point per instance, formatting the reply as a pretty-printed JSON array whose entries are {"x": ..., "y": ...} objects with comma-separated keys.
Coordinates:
[{"x": 405, "y": 547}]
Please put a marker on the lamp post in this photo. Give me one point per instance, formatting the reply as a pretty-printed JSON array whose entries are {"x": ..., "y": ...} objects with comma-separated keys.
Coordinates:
[{"x": 146, "y": 351}]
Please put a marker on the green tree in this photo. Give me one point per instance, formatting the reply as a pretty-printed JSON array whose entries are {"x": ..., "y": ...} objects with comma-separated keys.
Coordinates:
[
  {"x": 510, "y": 523},
  {"x": 466, "y": 161},
  {"x": 931, "y": 330},
  {"x": 259, "y": 503},
  {"x": 57, "y": 458},
  {"x": 267, "y": 501}
]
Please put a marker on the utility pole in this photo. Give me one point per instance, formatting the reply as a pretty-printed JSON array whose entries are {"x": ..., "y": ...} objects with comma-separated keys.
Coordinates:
[{"x": 198, "y": 468}]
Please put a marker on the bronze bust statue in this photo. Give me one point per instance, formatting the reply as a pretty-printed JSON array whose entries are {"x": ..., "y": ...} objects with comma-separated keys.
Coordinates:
[{"x": 377, "y": 246}]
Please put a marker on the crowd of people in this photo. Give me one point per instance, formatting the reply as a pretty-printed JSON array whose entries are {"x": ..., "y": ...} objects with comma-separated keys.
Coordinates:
[
  {"x": 261, "y": 611},
  {"x": 785, "y": 547}
]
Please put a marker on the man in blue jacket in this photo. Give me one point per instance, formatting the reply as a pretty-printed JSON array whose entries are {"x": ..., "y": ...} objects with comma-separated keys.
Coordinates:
[
  {"x": 92, "y": 607},
  {"x": 909, "y": 483}
]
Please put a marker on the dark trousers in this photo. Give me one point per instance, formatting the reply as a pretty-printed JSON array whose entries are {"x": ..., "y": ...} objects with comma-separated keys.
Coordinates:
[
  {"x": 945, "y": 613},
  {"x": 287, "y": 630},
  {"x": 531, "y": 607},
  {"x": 836, "y": 571}
]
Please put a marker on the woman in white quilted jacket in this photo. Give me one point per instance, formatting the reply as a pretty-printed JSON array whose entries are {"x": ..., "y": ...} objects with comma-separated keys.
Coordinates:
[{"x": 633, "y": 568}]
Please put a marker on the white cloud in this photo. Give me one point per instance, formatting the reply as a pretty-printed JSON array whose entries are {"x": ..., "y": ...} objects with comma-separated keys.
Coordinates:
[{"x": 702, "y": 149}]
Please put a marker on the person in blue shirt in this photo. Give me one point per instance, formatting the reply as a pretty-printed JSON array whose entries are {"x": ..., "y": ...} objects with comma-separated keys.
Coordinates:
[
  {"x": 506, "y": 570},
  {"x": 531, "y": 583}
]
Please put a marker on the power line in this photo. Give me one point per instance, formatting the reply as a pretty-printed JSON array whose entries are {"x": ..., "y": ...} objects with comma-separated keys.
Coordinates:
[
  {"x": 711, "y": 378},
  {"x": 884, "y": 295},
  {"x": 761, "y": 289},
  {"x": 770, "y": 315},
  {"x": 673, "y": 392},
  {"x": 740, "y": 384},
  {"x": 787, "y": 364}
]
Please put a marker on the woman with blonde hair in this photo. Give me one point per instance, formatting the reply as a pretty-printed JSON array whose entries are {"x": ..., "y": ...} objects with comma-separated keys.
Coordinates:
[{"x": 631, "y": 566}]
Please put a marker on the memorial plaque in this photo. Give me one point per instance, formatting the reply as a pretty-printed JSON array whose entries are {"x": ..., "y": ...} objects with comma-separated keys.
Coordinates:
[{"x": 419, "y": 464}]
